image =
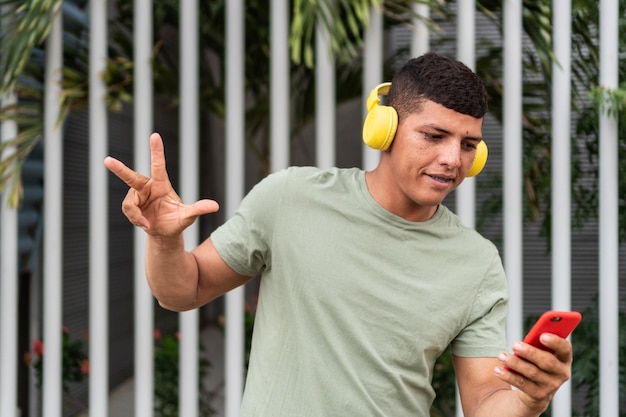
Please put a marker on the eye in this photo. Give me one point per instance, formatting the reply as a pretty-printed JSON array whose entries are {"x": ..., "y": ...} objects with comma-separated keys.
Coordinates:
[
  {"x": 469, "y": 146},
  {"x": 432, "y": 136}
]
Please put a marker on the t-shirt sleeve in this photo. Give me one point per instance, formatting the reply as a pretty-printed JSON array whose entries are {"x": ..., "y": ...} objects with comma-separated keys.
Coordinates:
[
  {"x": 484, "y": 336},
  {"x": 244, "y": 240}
]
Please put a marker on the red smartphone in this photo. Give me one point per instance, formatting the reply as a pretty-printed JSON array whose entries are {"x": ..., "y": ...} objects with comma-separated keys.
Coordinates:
[{"x": 560, "y": 323}]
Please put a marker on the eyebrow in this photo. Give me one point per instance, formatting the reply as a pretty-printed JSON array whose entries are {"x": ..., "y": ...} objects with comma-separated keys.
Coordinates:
[{"x": 441, "y": 130}]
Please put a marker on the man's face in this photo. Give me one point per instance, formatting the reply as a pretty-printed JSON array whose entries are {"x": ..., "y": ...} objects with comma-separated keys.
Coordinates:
[{"x": 429, "y": 157}]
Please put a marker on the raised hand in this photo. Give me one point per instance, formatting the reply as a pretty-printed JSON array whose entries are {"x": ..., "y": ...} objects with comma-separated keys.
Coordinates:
[{"x": 152, "y": 203}]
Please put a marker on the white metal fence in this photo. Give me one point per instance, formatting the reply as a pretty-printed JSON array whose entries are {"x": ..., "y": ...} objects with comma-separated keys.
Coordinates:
[{"x": 325, "y": 122}]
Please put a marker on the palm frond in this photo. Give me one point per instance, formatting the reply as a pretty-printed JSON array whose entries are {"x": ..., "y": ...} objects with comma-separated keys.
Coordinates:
[
  {"x": 344, "y": 21},
  {"x": 26, "y": 24},
  {"x": 23, "y": 73},
  {"x": 15, "y": 152}
]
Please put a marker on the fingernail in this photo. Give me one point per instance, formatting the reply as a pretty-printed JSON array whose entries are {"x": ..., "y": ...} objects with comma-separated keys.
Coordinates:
[
  {"x": 502, "y": 356},
  {"x": 545, "y": 337}
]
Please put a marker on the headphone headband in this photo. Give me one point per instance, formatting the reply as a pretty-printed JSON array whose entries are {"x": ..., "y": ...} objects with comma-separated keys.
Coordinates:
[{"x": 374, "y": 97}]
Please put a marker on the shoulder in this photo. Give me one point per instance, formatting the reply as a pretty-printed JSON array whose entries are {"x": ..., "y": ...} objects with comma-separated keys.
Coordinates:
[
  {"x": 280, "y": 179},
  {"x": 315, "y": 174},
  {"x": 469, "y": 244},
  {"x": 299, "y": 176},
  {"x": 293, "y": 173},
  {"x": 301, "y": 183},
  {"x": 455, "y": 225}
]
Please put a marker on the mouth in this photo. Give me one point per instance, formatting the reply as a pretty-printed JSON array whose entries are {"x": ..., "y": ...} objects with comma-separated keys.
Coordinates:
[{"x": 441, "y": 178}]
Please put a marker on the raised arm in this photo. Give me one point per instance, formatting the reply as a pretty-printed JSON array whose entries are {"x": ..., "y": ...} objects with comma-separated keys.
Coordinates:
[{"x": 180, "y": 280}]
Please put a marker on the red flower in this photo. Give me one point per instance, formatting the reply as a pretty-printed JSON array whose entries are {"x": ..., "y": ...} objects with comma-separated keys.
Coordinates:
[
  {"x": 157, "y": 334},
  {"x": 84, "y": 368},
  {"x": 178, "y": 335},
  {"x": 38, "y": 347}
]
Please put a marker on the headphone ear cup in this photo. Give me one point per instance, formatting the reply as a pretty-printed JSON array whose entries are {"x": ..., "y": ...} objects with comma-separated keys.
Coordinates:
[
  {"x": 380, "y": 127},
  {"x": 480, "y": 159}
]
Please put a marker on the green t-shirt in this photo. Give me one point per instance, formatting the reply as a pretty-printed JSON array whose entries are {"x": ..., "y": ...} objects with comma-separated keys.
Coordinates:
[{"x": 356, "y": 303}]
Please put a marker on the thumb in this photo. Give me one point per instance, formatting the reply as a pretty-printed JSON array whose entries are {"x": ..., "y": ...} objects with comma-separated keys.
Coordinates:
[
  {"x": 202, "y": 207},
  {"x": 192, "y": 212}
]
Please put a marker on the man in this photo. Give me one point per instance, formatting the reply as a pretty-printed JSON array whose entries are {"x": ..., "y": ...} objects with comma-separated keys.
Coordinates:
[{"x": 366, "y": 277}]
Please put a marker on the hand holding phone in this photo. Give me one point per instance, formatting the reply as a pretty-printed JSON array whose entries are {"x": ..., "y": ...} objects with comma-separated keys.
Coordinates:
[{"x": 560, "y": 323}]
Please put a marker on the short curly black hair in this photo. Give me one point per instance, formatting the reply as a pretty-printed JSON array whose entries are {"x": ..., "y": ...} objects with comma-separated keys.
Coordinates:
[{"x": 440, "y": 79}]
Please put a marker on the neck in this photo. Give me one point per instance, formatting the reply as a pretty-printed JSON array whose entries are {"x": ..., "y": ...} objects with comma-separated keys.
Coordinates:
[{"x": 393, "y": 200}]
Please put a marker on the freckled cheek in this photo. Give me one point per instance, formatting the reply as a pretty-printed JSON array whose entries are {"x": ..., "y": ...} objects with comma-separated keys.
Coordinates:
[{"x": 468, "y": 161}]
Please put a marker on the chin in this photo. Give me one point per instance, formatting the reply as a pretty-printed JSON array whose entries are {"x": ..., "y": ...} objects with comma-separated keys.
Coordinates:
[{"x": 427, "y": 203}]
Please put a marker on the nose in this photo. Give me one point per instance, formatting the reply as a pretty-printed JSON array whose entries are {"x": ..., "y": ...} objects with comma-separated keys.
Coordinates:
[{"x": 450, "y": 155}]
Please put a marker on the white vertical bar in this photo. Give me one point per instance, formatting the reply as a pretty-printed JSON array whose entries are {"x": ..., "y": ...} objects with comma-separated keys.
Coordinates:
[
  {"x": 608, "y": 217},
  {"x": 188, "y": 361},
  {"x": 512, "y": 163},
  {"x": 279, "y": 84},
  {"x": 372, "y": 73},
  {"x": 8, "y": 281},
  {"x": 325, "y": 104},
  {"x": 53, "y": 232},
  {"x": 144, "y": 119},
  {"x": 561, "y": 195},
  {"x": 98, "y": 215},
  {"x": 466, "y": 33},
  {"x": 9, "y": 273},
  {"x": 420, "y": 41},
  {"x": 189, "y": 192},
  {"x": 466, "y": 53},
  {"x": 235, "y": 168}
]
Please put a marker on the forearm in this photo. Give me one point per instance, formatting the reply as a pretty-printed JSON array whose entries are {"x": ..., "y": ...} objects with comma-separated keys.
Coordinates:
[
  {"x": 172, "y": 273},
  {"x": 485, "y": 383}
]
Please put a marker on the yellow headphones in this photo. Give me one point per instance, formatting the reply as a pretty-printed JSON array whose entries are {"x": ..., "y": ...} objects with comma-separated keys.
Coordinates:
[{"x": 381, "y": 124}]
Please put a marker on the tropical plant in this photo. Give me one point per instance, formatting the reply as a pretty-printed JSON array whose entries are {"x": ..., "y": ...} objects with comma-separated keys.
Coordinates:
[
  {"x": 75, "y": 364},
  {"x": 444, "y": 384},
  {"x": 588, "y": 100},
  {"x": 74, "y": 367},
  {"x": 167, "y": 377},
  {"x": 21, "y": 65},
  {"x": 585, "y": 370},
  {"x": 23, "y": 62},
  {"x": 26, "y": 26}
]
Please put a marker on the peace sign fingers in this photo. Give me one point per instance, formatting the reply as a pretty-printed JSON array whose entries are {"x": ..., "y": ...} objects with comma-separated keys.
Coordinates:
[
  {"x": 158, "y": 171},
  {"x": 136, "y": 180},
  {"x": 151, "y": 203},
  {"x": 133, "y": 179}
]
